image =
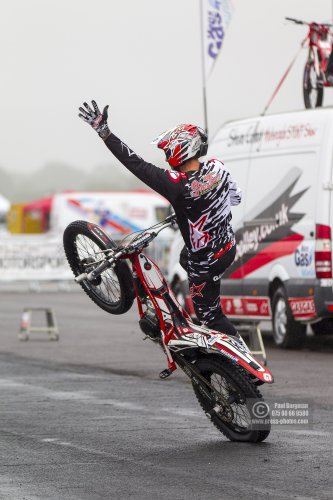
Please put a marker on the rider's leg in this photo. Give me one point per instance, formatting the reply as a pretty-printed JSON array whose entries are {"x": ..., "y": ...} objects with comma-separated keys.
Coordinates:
[
  {"x": 207, "y": 306},
  {"x": 204, "y": 280}
]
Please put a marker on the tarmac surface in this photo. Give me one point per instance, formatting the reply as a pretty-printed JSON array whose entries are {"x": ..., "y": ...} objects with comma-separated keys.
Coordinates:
[{"x": 88, "y": 418}]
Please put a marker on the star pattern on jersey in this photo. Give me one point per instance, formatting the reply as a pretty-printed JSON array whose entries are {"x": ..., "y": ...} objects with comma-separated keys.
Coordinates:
[
  {"x": 195, "y": 290},
  {"x": 199, "y": 238}
]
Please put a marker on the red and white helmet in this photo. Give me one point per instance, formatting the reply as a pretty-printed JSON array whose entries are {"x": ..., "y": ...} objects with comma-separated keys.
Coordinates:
[{"x": 182, "y": 143}]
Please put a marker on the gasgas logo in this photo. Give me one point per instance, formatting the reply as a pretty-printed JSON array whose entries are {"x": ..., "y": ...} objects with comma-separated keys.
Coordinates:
[
  {"x": 304, "y": 261},
  {"x": 303, "y": 256}
]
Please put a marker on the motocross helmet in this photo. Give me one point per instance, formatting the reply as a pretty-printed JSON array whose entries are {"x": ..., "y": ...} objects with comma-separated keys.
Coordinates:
[{"x": 182, "y": 143}]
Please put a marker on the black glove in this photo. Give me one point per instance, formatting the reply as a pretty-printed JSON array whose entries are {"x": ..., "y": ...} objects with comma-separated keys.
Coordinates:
[{"x": 98, "y": 120}]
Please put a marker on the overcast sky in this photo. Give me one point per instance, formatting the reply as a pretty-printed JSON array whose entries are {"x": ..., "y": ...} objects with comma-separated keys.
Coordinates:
[{"x": 142, "y": 57}]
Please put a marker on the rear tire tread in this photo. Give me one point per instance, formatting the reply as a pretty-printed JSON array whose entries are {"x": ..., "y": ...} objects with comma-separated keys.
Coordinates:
[{"x": 244, "y": 382}]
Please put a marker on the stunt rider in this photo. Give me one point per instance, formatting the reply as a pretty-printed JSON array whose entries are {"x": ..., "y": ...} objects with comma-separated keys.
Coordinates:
[{"x": 201, "y": 194}]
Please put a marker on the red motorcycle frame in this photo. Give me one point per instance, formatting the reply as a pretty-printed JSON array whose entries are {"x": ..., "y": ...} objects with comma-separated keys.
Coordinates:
[
  {"x": 319, "y": 41},
  {"x": 175, "y": 328},
  {"x": 223, "y": 372}
]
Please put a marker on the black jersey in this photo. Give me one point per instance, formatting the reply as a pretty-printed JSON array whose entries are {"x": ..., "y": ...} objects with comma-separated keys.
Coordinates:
[{"x": 201, "y": 199}]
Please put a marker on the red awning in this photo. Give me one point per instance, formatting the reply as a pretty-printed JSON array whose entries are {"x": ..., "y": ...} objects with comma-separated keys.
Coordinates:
[{"x": 43, "y": 204}]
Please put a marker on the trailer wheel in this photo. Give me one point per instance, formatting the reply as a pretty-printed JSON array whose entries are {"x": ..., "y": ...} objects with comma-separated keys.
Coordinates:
[{"x": 287, "y": 333}]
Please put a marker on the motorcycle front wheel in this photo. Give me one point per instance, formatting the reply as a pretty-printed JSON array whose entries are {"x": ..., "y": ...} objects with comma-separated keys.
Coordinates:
[
  {"x": 113, "y": 290},
  {"x": 241, "y": 413},
  {"x": 313, "y": 90}
]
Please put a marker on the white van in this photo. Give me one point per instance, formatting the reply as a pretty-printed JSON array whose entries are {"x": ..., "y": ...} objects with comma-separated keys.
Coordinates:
[{"x": 283, "y": 265}]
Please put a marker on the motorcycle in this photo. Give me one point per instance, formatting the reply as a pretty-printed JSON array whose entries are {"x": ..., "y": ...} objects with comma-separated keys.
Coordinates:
[
  {"x": 223, "y": 373},
  {"x": 319, "y": 41}
]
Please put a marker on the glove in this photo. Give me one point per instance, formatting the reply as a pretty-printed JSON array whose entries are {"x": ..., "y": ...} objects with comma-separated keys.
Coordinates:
[{"x": 96, "y": 119}]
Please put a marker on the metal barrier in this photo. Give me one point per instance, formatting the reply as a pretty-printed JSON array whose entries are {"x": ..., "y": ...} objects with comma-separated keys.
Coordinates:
[{"x": 26, "y": 326}]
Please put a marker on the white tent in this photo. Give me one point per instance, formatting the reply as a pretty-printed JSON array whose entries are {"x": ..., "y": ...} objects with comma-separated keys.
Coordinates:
[{"x": 4, "y": 205}]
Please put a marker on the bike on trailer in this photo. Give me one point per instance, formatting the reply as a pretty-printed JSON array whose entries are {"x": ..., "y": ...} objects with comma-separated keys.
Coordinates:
[
  {"x": 224, "y": 374},
  {"x": 316, "y": 75}
]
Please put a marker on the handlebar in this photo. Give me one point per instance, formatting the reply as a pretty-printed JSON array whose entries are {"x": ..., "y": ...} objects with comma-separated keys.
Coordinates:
[
  {"x": 144, "y": 239},
  {"x": 138, "y": 243},
  {"x": 298, "y": 21},
  {"x": 171, "y": 218}
]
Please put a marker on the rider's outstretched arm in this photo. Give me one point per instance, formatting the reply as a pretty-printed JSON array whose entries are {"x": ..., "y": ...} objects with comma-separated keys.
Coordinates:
[
  {"x": 155, "y": 177},
  {"x": 158, "y": 179}
]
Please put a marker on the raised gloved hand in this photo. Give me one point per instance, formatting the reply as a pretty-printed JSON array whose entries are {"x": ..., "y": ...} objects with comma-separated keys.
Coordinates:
[{"x": 98, "y": 120}]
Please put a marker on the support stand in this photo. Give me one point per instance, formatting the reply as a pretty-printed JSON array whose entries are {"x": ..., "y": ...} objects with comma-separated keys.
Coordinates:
[
  {"x": 26, "y": 326},
  {"x": 256, "y": 343}
]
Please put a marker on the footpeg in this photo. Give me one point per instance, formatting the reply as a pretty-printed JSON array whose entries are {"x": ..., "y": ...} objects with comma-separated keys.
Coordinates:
[{"x": 165, "y": 373}]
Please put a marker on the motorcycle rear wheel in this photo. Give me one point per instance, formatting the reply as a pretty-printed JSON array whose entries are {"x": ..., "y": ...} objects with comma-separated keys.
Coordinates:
[
  {"x": 113, "y": 290},
  {"x": 246, "y": 417},
  {"x": 313, "y": 90}
]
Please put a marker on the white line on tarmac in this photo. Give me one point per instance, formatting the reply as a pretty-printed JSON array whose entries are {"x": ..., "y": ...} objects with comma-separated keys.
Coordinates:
[
  {"x": 83, "y": 396},
  {"x": 59, "y": 442},
  {"x": 304, "y": 431},
  {"x": 90, "y": 398}
]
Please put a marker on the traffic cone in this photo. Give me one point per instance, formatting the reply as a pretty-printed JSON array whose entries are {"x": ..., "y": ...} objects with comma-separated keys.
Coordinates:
[{"x": 24, "y": 326}]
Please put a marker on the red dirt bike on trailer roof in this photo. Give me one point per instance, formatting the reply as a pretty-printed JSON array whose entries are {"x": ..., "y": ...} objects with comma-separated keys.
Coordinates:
[
  {"x": 224, "y": 374},
  {"x": 319, "y": 39}
]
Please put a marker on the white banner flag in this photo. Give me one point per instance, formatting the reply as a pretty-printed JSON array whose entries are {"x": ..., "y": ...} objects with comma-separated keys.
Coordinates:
[{"x": 216, "y": 16}]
